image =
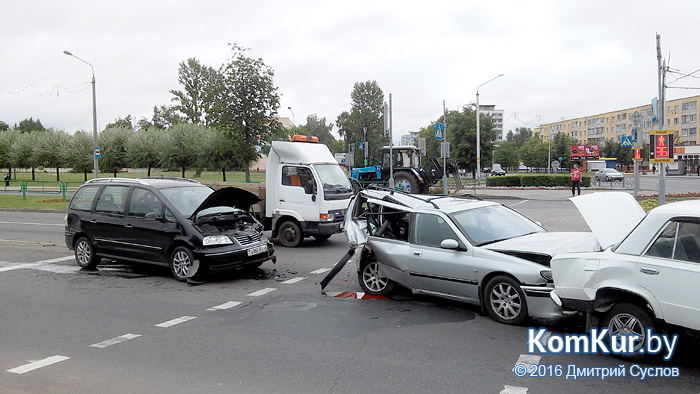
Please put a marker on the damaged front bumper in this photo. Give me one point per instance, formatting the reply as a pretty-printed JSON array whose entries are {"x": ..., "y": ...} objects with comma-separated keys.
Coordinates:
[
  {"x": 233, "y": 257},
  {"x": 541, "y": 304}
]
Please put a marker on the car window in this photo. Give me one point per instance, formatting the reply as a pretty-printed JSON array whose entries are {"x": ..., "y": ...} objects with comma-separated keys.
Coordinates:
[
  {"x": 144, "y": 201},
  {"x": 82, "y": 200},
  {"x": 112, "y": 200},
  {"x": 680, "y": 240},
  {"x": 431, "y": 230}
]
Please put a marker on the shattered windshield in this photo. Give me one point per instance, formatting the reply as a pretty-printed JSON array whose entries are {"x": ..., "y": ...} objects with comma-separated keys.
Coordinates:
[
  {"x": 333, "y": 179},
  {"x": 495, "y": 223}
]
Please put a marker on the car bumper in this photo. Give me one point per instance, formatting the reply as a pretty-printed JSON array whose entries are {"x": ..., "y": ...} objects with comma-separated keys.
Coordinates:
[
  {"x": 540, "y": 304},
  {"x": 322, "y": 228},
  {"x": 233, "y": 257}
]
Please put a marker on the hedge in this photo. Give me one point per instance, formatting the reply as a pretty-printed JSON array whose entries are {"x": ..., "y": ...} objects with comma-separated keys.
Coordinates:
[{"x": 535, "y": 181}]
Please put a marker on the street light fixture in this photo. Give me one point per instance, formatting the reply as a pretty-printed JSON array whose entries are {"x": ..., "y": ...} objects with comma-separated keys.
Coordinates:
[
  {"x": 478, "y": 131},
  {"x": 94, "y": 116},
  {"x": 294, "y": 119}
]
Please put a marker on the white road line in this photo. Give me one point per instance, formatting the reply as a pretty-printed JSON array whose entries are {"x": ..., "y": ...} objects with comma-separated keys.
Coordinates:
[
  {"x": 528, "y": 360},
  {"x": 225, "y": 305},
  {"x": 173, "y": 322},
  {"x": 59, "y": 269},
  {"x": 513, "y": 390},
  {"x": 115, "y": 341},
  {"x": 293, "y": 280},
  {"x": 34, "y": 265},
  {"x": 34, "y": 224},
  {"x": 320, "y": 271},
  {"x": 518, "y": 203},
  {"x": 37, "y": 364},
  {"x": 261, "y": 292}
]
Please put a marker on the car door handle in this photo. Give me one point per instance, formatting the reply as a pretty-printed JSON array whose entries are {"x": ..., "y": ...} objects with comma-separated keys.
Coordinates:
[
  {"x": 281, "y": 199},
  {"x": 417, "y": 253},
  {"x": 128, "y": 226},
  {"x": 649, "y": 271}
]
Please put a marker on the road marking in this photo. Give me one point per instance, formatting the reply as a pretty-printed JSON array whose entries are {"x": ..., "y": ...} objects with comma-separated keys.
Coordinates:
[
  {"x": 320, "y": 271},
  {"x": 59, "y": 269},
  {"x": 261, "y": 292},
  {"x": 518, "y": 203},
  {"x": 528, "y": 360},
  {"x": 293, "y": 280},
  {"x": 115, "y": 341},
  {"x": 173, "y": 322},
  {"x": 37, "y": 364},
  {"x": 34, "y": 224},
  {"x": 513, "y": 390},
  {"x": 225, "y": 305},
  {"x": 34, "y": 265}
]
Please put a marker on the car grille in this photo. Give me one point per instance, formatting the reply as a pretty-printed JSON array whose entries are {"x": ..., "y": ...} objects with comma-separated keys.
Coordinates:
[
  {"x": 247, "y": 239},
  {"x": 338, "y": 215}
]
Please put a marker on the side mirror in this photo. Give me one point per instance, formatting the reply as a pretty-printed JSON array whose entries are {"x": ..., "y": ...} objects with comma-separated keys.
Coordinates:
[{"x": 449, "y": 244}]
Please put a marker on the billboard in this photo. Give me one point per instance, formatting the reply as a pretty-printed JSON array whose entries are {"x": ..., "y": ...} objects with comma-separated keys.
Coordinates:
[{"x": 585, "y": 151}]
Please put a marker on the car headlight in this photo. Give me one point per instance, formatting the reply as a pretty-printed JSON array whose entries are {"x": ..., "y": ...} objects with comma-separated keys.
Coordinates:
[
  {"x": 216, "y": 240},
  {"x": 547, "y": 275}
]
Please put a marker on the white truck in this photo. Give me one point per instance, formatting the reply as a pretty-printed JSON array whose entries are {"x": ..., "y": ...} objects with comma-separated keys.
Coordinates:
[{"x": 306, "y": 192}]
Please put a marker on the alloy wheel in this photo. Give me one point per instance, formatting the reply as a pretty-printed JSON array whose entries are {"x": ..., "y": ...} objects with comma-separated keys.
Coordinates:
[
  {"x": 505, "y": 301},
  {"x": 372, "y": 278},
  {"x": 181, "y": 263},
  {"x": 627, "y": 324}
]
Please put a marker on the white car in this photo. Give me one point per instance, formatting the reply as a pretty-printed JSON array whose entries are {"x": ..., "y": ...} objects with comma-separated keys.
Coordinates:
[{"x": 647, "y": 276}]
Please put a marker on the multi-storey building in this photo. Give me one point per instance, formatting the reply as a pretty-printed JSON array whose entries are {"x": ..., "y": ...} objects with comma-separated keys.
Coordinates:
[
  {"x": 409, "y": 139},
  {"x": 497, "y": 117}
]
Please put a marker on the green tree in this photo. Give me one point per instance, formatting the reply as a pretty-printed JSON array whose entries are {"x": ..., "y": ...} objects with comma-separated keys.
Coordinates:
[
  {"x": 30, "y": 124},
  {"x": 507, "y": 154},
  {"x": 534, "y": 153},
  {"x": 217, "y": 152},
  {"x": 113, "y": 142},
  {"x": 125, "y": 123},
  {"x": 365, "y": 121},
  {"x": 521, "y": 135},
  {"x": 21, "y": 152},
  {"x": 199, "y": 82},
  {"x": 461, "y": 132},
  {"x": 178, "y": 146},
  {"x": 7, "y": 138},
  {"x": 79, "y": 152},
  {"x": 49, "y": 150},
  {"x": 561, "y": 147},
  {"x": 144, "y": 147},
  {"x": 163, "y": 118},
  {"x": 317, "y": 127},
  {"x": 246, "y": 104},
  {"x": 4, "y": 126}
]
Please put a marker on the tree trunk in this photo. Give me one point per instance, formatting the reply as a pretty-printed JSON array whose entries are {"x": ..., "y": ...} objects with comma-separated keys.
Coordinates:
[
  {"x": 149, "y": 170},
  {"x": 198, "y": 173},
  {"x": 58, "y": 175},
  {"x": 223, "y": 170},
  {"x": 247, "y": 170},
  {"x": 115, "y": 173},
  {"x": 183, "y": 172},
  {"x": 33, "y": 174},
  {"x": 85, "y": 175}
]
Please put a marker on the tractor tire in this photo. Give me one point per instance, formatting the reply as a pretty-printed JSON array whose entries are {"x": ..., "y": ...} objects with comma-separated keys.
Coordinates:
[{"x": 407, "y": 182}]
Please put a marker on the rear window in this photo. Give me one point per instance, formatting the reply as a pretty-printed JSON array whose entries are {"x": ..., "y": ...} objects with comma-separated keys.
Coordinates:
[{"x": 82, "y": 200}]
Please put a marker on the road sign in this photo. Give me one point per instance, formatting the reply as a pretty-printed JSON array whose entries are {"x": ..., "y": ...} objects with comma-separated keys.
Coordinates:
[
  {"x": 445, "y": 150},
  {"x": 439, "y": 131},
  {"x": 626, "y": 141},
  {"x": 555, "y": 165},
  {"x": 361, "y": 145},
  {"x": 421, "y": 145},
  {"x": 97, "y": 153}
]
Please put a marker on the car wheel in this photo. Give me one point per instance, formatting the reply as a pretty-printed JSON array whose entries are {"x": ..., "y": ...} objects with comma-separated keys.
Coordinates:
[
  {"x": 371, "y": 280},
  {"x": 324, "y": 237},
  {"x": 181, "y": 260},
  {"x": 629, "y": 319},
  {"x": 505, "y": 301},
  {"x": 85, "y": 254},
  {"x": 290, "y": 234}
]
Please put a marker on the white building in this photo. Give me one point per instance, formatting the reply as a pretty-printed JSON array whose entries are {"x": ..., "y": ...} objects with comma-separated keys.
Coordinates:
[
  {"x": 409, "y": 139},
  {"x": 497, "y": 116}
]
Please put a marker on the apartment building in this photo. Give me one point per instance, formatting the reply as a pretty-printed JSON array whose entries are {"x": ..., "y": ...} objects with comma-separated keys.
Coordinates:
[{"x": 496, "y": 117}]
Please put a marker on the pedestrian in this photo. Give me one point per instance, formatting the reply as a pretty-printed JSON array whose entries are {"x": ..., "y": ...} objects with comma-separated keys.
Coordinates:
[
  {"x": 575, "y": 180},
  {"x": 7, "y": 179},
  {"x": 653, "y": 169},
  {"x": 666, "y": 170},
  {"x": 698, "y": 169}
]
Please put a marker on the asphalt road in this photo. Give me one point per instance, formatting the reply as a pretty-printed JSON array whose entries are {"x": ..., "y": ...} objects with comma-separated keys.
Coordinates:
[{"x": 135, "y": 329}]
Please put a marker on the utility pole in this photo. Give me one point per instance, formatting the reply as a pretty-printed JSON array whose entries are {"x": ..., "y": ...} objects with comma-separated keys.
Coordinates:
[
  {"x": 661, "y": 115},
  {"x": 391, "y": 147},
  {"x": 446, "y": 146},
  {"x": 364, "y": 138}
]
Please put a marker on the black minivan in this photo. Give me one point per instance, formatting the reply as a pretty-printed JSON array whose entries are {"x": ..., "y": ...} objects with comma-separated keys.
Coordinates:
[{"x": 176, "y": 222}]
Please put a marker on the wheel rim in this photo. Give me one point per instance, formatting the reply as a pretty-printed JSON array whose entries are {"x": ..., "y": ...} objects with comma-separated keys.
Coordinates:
[
  {"x": 83, "y": 252},
  {"x": 181, "y": 263},
  {"x": 372, "y": 278},
  {"x": 505, "y": 301},
  {"x": 289, "y": 234},
  {"x": 403, "y": 184},
  {"x": 627, "y": 324}
]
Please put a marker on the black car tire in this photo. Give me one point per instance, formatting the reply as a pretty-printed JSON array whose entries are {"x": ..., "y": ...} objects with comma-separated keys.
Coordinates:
[
  {"x": 408, "y": 181},
  {"x": 625, "y": 314},
  {"x": 322, "y": 237},
  {"x": 290, "y": 234},
  {"x": 505, "y": 301},
  {"x": 180, "y": 262},
  {"x": 371, "y": 280},
  {"x": 85, "y": 254}
]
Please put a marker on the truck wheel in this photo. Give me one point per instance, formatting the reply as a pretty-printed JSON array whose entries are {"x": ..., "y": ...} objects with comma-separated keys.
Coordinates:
[
  {"x": 406, "y": 182},
  {"x": 290, "y": 234}
]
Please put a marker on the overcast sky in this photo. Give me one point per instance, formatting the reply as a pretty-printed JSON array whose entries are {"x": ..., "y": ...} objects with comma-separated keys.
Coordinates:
[{"x": 561, "y": 59}]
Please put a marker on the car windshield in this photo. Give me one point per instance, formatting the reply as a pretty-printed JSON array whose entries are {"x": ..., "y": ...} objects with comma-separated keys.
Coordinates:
[
  {"x": 495, "y": 223},
  {"x": 187, "y": 198},
  {"x": 334, "y": 180}
]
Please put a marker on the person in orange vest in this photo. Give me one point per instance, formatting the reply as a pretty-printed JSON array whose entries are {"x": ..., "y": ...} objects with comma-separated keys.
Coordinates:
[{"x": 575, "y": 180}]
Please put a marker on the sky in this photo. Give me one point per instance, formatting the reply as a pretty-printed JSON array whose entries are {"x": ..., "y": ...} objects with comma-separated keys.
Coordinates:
[{"x": 560, "y": 59}]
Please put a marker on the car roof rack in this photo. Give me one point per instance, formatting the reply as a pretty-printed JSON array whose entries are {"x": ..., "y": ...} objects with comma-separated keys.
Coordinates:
[
  {"x": 110, "y": 180},
  {"x": 172, "y": 178}
]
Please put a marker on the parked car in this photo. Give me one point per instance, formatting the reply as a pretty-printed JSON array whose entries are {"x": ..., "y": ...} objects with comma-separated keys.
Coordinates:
[
  {"x": 458, "y": 247},
  {"x": 498, "y": 171},
  {"x": 608, "y": 174},
  {"x": 648, "y": 273},
  {"x": 174, "y": 222}
]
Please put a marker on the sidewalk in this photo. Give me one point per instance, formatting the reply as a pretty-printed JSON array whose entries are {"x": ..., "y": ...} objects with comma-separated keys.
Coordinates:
[{"x": 539, "y": 194}]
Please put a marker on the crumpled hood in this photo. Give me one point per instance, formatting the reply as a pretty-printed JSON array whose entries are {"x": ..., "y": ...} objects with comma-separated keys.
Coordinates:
[
  {"x": 611, "y": 215},
  {"x": 548, "y": 243},
  {"x": 228, "y": 197}
]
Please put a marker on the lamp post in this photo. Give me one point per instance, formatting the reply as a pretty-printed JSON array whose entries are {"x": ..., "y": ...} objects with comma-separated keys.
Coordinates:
[
  {"x": 294, "y": 119},
  {"x": 94, "y": 116},
  {"x": 478, "y": 131}
]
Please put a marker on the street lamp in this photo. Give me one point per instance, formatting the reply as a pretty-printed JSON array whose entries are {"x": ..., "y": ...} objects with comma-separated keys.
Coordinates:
[
  {"x": 478, "y": 131},
  {"x": 94, "y": 115},
  {"x": 294, "y": 119}
]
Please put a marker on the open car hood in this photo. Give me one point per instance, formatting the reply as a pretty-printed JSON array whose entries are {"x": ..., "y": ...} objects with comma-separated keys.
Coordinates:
[
  {"x": 611, "y": 215},
  {"x": 228, "y": 197}
]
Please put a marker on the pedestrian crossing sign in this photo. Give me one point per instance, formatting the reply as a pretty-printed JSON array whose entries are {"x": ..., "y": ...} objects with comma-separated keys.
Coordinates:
[{"x": 439, "y": 131}]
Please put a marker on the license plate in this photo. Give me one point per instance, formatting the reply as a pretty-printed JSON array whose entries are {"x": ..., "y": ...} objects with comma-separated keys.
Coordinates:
[{"x": 257, "y": 250}]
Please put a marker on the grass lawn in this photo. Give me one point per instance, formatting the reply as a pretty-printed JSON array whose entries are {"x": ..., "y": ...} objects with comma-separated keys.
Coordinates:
[{"x": 15, "y": 201}]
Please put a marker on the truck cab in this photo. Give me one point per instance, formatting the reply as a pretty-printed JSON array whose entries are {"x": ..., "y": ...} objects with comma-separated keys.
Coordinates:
[{"x": 307, "y": 192}]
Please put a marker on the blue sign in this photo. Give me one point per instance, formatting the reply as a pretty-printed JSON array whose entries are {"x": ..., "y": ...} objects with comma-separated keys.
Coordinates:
[
  {"x": 439, "y": 131},
  {"x": 97, "y": 153},
  {"x": 362, "y": 145},
  {"x": 626, "y": 141}
]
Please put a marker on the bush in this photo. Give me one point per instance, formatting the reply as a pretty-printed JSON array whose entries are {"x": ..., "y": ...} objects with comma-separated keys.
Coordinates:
[
  {"x": 558, "y": 180},
  {"x": 508, "y": 180}
]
